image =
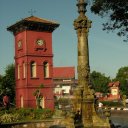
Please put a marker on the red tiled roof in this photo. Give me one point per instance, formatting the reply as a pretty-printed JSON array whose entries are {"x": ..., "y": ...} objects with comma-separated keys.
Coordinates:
[
  {"x": 33, "y": 23},
  {"x": 41, "y": 20},
  {"x": 117, "y": 83},
  {"x": 64, "y": 72}
]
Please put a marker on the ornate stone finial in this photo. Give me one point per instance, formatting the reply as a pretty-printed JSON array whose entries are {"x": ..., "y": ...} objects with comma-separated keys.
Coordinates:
[
  {"x": 82, "y": 23},
  {"x": 81, "y": 6},
  {"x": 32, "y": 12}
]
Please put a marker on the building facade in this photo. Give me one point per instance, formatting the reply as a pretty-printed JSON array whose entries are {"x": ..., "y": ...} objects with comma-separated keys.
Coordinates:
[
  {"x": 33, "y": 61},
  {"x": 64, "y": 81}
]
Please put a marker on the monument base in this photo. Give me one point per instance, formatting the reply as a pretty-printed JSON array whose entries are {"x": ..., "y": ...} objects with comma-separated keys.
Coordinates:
[
  {"x": 67, "y": 121},
  {"x": 99, "y": 122}
]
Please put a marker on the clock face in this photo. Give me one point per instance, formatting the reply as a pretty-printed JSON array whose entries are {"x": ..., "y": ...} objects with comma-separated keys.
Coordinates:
[
  {"x": 40, "y": 42},
  {"x": 19, "y": 44}
]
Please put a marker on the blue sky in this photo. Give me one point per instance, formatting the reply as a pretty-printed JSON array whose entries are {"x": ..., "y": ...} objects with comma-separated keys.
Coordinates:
[{"x": 107, "y": 51}]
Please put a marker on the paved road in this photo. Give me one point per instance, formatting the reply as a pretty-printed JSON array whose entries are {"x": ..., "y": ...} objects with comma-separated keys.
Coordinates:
[{"x": 119, "y": 117}]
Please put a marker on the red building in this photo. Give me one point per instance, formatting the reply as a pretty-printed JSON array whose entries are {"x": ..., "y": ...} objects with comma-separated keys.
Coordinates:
[
  {"x": 33, "y": 60},
  {"x": 114, "y": 90},
  {"x": 64, "y": 81},
  {"x": 114, "y": 94}
]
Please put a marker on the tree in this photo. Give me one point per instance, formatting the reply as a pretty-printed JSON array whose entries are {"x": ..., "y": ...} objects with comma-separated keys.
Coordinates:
[
  {"x": 0, "y": 81},
  {"x": 0, "y": 77},
  {"x": 0, "y": 88},
  {"x": 7, "y": 82},
  {"x": 122, "y": 77},
  {"x": 116, "y": 11},
  {"x": 38, "y": 95},
  {"x": 99, "y": 82}
]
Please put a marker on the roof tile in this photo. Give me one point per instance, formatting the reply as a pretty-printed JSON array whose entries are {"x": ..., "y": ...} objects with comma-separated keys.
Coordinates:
[
  {"x": 41, "y": 20},
  {"x": 63, "y": 72}
]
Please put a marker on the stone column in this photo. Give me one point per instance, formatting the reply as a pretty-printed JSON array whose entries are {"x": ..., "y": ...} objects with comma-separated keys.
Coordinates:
[{"x": 82, "y": 25}]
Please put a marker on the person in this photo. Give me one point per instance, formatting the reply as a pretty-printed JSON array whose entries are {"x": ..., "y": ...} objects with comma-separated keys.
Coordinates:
[
  {"x": 6, "y": 101},
  {"x": 77, "y": 118},
  {"x": 95, "y": 102},
  {"x": 100, "y": 108}
]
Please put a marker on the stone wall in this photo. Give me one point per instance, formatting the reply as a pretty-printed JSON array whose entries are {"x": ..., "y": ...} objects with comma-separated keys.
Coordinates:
[
  {"x": 38, "y": 124},
  {"x": 51, "y": 123}
]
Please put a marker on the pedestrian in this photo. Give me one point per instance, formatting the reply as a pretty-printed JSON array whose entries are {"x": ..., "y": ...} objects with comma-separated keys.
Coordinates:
[
  {"x": 95, "y": 102},
  {"x": 6, "y": 101},
  {"x": 100, "y": 108},
  {"x": 77, "y": 118}
]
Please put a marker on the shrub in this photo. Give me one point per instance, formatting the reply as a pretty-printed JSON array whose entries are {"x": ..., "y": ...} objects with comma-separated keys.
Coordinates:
[
  {"x": 42, "y": 113},
  {"x": 112, "y": 103},
  {"x": 20, "y": 115},
  {"x": 9, "y": 118}
]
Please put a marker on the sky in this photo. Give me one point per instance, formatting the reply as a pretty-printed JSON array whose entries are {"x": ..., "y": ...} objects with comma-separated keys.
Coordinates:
[{"x": 107, "y": 51}]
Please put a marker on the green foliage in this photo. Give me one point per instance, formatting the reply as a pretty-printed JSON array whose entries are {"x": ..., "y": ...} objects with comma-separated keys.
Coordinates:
[
  {"x": 7, "y": 82},
  {"x": 38, "y": 95},
  {"x": 42, "y": 114},
  {"x": 99, "y": 82},
  {"x": 9, "y": 118},
  {"x": 116, "y": 11},
  {"x": 112, "y": 103},
  {"x": 122, "y": 77},
  {"x": 41, "y": 86},
  {"x": 20, "y": 115},
  {"x": 37, "y": 91},
  {"x": 24, "y": 113}
]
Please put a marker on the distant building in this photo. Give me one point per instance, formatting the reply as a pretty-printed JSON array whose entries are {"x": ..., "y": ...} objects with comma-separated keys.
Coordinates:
[
  {"x": 114, "y": 94},
  {"x": 114, "y": 90},
  {"x": 99, "y": 94},
  {"x": 64, "y": 81}
]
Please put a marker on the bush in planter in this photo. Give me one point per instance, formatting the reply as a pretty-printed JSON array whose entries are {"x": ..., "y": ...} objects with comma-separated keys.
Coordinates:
[
  {"x": 112, "y": 103},
  {"x": 24, "y": 112},
  {"x": 7, "y": 118},
  {"x": 42, "y": 113},
  {"x": 20, "y": 115}
]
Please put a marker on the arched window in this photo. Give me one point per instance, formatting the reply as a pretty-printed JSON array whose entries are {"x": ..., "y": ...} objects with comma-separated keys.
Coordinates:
[
  {"x": 24, "y": 70},
  {"x": 33, "y": 69},
  {"x": 42, "y": 103},
  {"x": 18, "y": 71},
  {"x": 21, "y": 101},
  {"x": 46, "y": 69}
]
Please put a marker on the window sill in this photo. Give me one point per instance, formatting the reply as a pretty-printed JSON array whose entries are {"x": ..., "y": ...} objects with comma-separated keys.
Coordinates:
[
  {"x": 34, "y": 77},
  {"x": 47, "y": 77}
]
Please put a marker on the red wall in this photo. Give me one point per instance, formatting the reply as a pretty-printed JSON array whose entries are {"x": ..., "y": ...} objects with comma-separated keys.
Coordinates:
[{"x": 27, "y": 53}]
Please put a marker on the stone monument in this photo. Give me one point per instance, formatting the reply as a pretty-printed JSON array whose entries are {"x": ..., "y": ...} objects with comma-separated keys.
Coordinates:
[
  {"x": 84, "y": 113},
  {"x": 84, "y": 94}
]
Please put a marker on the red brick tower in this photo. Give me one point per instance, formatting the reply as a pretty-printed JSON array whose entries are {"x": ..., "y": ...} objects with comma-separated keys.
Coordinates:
[{"x": 33, "y": 60}]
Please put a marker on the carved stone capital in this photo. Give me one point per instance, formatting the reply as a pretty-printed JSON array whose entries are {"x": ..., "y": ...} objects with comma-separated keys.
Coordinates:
[{"x": 82, "y": 25}]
